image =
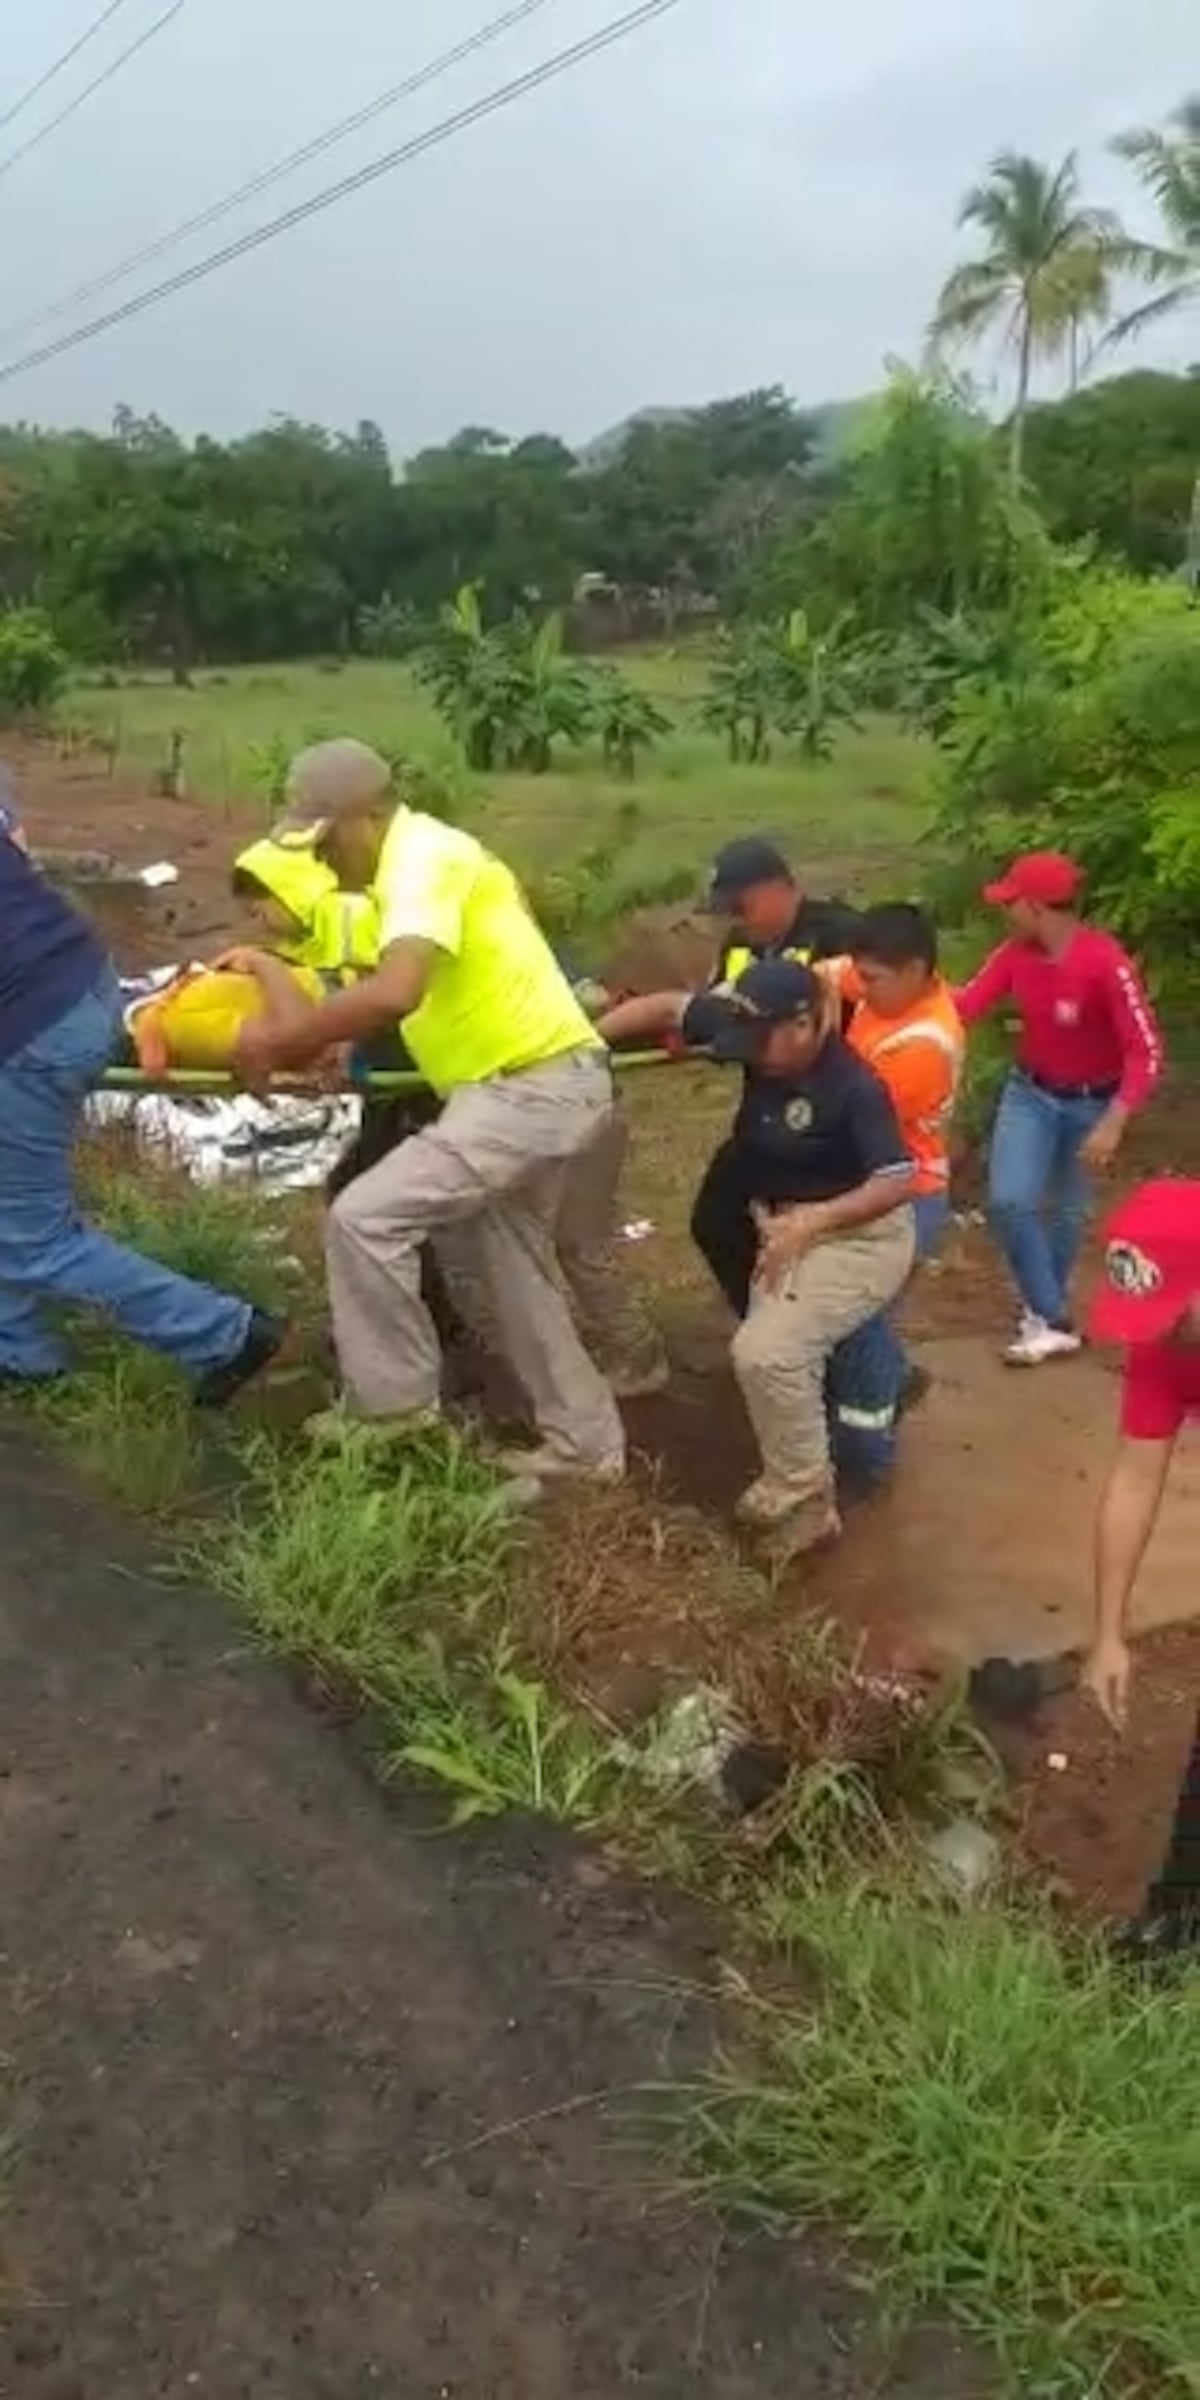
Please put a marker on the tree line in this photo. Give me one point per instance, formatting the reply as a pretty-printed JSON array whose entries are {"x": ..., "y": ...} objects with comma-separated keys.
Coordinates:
[{"x": 141, "y": 545}]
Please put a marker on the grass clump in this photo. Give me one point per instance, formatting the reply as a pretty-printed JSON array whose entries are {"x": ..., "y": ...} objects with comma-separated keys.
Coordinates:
[
  {"x": 128, "y": 1423},
  {"x": 1014, "y": 2131},
  {"x": 384, "y": 1575}
]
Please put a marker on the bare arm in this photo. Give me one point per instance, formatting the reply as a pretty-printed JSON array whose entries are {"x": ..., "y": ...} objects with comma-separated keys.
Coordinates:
[
  {"x": 991, "y": 984},
  {"x": 1129, "y": 1506},
  {"x": 287, "y": 1006},
  {"x": 645, "y": 1018},
  {"x": 392, "y": 992}
]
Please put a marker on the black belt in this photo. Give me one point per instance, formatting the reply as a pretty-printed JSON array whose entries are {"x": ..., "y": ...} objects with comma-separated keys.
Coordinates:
[{"x": 1070, "y": 1091}]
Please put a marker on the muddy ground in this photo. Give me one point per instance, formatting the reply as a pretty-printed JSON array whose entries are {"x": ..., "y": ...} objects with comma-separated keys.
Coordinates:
[
  {"x": 984, "y": 1546},
  {"x": 298, "y": 2096}
]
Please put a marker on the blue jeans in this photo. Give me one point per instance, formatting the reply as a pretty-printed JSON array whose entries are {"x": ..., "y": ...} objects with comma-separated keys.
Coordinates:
[
  {"x": 867, "y": 1371},
  {"x": 47, "y": 1252},
  {"x": 1038, "y": 1192}
]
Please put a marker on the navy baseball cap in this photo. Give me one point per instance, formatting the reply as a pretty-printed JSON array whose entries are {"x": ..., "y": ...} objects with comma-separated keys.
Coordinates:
[
  {"x": 740, "y": 865},
  {"x": 772, "y": 991}
]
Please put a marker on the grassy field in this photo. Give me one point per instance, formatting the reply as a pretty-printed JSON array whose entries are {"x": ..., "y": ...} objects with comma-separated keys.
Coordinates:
[{"x": 860, "y": 814}]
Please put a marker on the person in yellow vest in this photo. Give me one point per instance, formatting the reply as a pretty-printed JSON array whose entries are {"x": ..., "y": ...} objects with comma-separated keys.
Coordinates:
[
  {"x": 296, "y": 902},
  {"x": 320, "y": 934},
  {"x": 525, "y": 1082}
]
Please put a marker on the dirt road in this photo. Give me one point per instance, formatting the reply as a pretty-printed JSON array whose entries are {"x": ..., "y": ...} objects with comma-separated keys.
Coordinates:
[{"x": 261, "y": 2039}]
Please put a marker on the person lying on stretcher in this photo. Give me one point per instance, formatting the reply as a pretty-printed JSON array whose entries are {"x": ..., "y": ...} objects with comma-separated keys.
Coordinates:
[{"x": 319, "y": 937}]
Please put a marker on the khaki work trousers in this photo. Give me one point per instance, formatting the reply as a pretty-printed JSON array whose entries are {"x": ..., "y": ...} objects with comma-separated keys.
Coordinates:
[
  {"x": 609, "y": 1313},
  {"x": 489, "y": 1175},
  {"x": 782, "y": 1348}
]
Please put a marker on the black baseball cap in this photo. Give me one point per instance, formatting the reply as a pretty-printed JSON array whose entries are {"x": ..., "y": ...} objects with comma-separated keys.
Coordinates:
[
  {"x": 772, "y": 991},
  {"x": 740, "y": 865}
]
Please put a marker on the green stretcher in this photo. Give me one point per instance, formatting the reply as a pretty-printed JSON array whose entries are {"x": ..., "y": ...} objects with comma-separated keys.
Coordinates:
[{"x": 193, "y": 1083}]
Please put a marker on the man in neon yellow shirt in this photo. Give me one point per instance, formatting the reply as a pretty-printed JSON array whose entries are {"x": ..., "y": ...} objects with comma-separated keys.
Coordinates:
[{"x": 494, "y": 1028}]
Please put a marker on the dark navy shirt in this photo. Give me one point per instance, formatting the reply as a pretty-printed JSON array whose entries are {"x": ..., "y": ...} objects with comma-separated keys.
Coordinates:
[
  {"x": 819, "y": 929},
  {"x": 49, "y": 955},
  {"x": 812, "y": 1136}
]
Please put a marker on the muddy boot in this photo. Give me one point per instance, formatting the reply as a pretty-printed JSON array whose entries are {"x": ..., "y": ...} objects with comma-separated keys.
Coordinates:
[
  {"x": 783, "y": 1527},
  {"x": 1159, "y": 1944}
]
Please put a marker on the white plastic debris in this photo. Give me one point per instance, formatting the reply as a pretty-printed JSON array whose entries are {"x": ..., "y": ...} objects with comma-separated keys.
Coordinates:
[
  {"x": 688, "y": 1746},
  {"x": 160, "y": 873},
  {"x": 638, "y": 1229},
  {"x": 1058, "y": 1762}
]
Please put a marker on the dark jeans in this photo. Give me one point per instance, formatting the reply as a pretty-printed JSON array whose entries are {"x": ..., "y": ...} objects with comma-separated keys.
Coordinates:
[
  {"x": 723, "y": 1228},
  {"x": 1176, "y": 1890}
]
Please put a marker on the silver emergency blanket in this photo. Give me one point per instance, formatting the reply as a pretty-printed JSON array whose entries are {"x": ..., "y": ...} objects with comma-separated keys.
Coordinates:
[{"x": 287, "y": 1143}]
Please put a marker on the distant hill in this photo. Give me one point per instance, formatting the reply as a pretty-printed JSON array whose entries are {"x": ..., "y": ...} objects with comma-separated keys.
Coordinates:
[{"x": 837, "y": 422}]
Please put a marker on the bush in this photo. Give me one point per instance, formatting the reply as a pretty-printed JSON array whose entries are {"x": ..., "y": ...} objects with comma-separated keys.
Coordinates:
[
  {"x": 1090, "y": 743},
  {"x": 33, "y": 664}
]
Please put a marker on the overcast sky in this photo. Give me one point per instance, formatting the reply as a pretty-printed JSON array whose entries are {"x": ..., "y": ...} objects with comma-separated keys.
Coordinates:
[{"x": 745, "y": 192}]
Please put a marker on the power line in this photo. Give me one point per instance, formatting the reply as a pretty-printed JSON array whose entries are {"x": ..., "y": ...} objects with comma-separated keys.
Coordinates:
[
  {"x": 617, "y": 30},
  {"x": 91, "y": 289},
  {"x": 97, "y": 84},
  {"x": 88, "y": 35}
]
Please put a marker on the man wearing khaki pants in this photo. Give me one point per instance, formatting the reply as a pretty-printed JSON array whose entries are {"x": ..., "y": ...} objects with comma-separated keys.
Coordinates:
[
  {"x": 824, "y": 1171},
  {"x": 496, "y": 1032}
]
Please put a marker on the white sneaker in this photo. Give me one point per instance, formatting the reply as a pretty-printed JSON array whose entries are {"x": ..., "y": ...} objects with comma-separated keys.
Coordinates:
[{"x": 1038, "y": 1342}]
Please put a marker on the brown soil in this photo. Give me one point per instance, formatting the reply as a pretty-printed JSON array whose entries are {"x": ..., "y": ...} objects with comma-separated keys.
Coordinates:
[
  {"x": 75, "y": 803},
  {"x": 298, "y": 2098}
]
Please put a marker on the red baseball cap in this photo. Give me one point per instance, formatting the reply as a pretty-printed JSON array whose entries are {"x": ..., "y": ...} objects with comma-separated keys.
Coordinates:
[
  {"x": 1151, "y": 1263},
  {"x": 1042, "y": 875}
]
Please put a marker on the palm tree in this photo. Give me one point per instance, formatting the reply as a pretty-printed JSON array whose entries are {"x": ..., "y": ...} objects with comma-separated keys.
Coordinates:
[
  {"x": 1168, "y": 163},
  {"x": 1047, "y": 266}
]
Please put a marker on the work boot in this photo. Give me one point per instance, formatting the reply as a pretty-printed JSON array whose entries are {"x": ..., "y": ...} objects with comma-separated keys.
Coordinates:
[
  {"x": 1154, "y": 1943},
  {"x": 264, "y": 1340},
  {"x": 788, "y": 1527}
]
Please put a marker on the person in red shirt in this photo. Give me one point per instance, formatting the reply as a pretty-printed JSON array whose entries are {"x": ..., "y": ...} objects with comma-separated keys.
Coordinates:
[
  {"x": 1088, "y": 1055},
  {"x": 1150, "y": 1302}
]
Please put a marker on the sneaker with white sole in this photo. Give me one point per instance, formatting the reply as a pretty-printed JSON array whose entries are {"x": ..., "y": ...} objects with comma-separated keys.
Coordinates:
[
  {"x": 641, "y": 1383},
  {"x": 546, "y": 1466},
  {"x": 338, "y": 1428},
  {"x": 1037, "y": 1342}
]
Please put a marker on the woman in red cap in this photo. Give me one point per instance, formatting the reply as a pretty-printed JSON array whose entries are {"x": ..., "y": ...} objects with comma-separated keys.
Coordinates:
[
  {"x": 1088, "y": 1055},
  {"x": 1150, "y": 1302}
]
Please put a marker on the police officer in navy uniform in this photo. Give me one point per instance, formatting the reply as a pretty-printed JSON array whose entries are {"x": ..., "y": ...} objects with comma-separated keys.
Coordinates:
[
  {"x": 824, "y": 1179},
  {"x": 765, "y": 913}
]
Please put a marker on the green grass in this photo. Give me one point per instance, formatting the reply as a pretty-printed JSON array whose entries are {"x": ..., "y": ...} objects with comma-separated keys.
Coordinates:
[
  {"x": 860, "y": 813},
  {"x": 1012, "y": 2129}
]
